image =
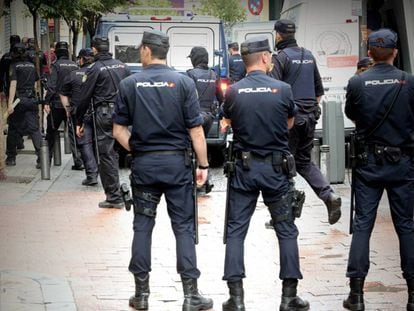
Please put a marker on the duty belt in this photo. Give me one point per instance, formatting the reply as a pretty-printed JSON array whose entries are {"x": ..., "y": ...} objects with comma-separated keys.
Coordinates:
[
  {"x": 240, "y": 155},
  {"x": 404, "y": 150},
  {"x": 159, "y": 152}
]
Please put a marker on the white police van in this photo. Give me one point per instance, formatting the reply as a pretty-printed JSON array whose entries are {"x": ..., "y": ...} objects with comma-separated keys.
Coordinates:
[{"x": 125, "y": 32}]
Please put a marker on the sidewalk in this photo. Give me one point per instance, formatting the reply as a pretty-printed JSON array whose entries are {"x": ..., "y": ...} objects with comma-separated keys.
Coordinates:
[{"x": 59, "y": 251}]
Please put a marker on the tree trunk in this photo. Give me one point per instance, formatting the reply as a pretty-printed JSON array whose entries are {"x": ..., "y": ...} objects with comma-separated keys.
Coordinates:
[{"x": 35, "y": 35}]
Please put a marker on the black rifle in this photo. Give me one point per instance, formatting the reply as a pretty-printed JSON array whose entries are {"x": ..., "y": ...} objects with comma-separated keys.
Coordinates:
[
  {"x": 95, "y": 136},
  {"x": 229, "y": 168},
  {"x": 194, "y": 169}
]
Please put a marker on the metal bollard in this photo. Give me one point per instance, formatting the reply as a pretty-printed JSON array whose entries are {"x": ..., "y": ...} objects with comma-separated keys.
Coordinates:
[
  {"x": 315, "y": 155},
  {"x": 44, "y": 160},
  {"x": 57, "y": 152},
  {"x": 67, "y": 146},
  {"x": 325, "y": 160}
]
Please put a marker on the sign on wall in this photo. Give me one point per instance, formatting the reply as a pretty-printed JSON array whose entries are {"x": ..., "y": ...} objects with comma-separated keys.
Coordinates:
[{"x": 255, "y": 6}]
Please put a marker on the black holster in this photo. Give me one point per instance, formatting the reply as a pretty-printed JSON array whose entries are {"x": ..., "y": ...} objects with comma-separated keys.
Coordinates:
[
  {"x": 126, "y": 196},
  {"x": 358, "y": 152},
  {"x": 144, "y": 201},
  {"x": 289, "y": 165}
]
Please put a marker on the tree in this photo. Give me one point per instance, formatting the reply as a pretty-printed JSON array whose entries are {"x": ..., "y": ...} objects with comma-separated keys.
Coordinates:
[
  {"x": 71, "y": 14},
  {"x": 34, "y": 6},
  {"x": 230, "y": 12},
  {"x": 92, "y": 10},
  {"x": 4, "y": 5}
]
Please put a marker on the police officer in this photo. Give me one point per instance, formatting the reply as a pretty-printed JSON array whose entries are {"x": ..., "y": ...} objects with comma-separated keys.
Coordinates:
[
  {"x": 99, "y": 88},
  {"x": 260, "y": 110},
  {"x": 70, "y": 94},
  {"x": 24, "y": 118},
  {"x": 5, "y": 64},
  {"x": 236, "y": 65},
  {"x": 297, "y": 66},
  {"x": 208, "y": 90},
  {"x": 381, "y": 103},
  {"x": 31, "y": 52},
  {"x": 163, "y": 109},
  {"x": 60, "y": 69}
]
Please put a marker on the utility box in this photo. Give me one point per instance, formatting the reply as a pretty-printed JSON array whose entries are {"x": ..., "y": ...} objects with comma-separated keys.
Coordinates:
[{"x": 334, "y": 136}]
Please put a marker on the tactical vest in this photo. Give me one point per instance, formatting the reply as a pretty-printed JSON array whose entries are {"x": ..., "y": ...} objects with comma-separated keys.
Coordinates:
[{"x": 300, "y": 72}]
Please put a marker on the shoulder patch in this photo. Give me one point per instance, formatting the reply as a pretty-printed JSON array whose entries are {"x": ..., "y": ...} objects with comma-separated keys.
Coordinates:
[{"x": 91, "y": 65}]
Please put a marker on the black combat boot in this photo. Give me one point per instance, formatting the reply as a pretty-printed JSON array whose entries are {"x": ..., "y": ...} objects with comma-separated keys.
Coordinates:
[
  {"x": 193, "y": 301},
  {"x": 355, "y": 300},
  {"x": 140, "y": 300},
  {"x": 410, "y": 303},
  {"x": 333, "y": 204},
  {"x": 236, "y": 300},
  {"x": 290, "y": 300}
]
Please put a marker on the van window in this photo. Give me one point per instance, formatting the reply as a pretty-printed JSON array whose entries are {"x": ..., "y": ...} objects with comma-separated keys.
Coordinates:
[
  {"x": 126, "y": 41},
  {"x": 183, "y": 39}
]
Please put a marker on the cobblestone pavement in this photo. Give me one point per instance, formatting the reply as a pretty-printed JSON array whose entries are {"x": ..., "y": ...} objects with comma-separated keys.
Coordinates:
[{"x": 59, "y": 251}]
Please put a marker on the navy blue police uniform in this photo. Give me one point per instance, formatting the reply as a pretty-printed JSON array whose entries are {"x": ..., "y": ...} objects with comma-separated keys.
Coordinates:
[
  {"x": 99, "y": 88},
  {"x": 161, "y": 109},
  {"x": 385, "y": 157},
  {"x": 72, "y": 89},
  {"x": 236, "y": 65},
  {"x": 161, "y": 105},
  {"x": 206, "y": 83},
  {"x": 297, "y": 66},
  {"x": 5, "y": 65},
  {"x": 259, "y": 108},
  {"x": 60, "y": 69},
  {"x": 25, "y": 118}
]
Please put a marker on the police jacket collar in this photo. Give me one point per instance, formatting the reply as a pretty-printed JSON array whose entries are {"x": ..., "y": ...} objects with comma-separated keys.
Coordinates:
[
  {"x": 255, "y": 73},
  {"x": 201, "y": 66},
  {"x": 289, "y": 43},
  {"x": 157, "y": 66},
  {"x": 103, "y": 56}
]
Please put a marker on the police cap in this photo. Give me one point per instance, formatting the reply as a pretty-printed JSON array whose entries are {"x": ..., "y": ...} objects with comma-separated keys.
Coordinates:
[
  {"x": 101, "y": 44},
  {"x": 85, "y": 53},
  {"x": 197, "y": 51},
  {"x": 233, "y": 45},
  {"x": 254, "y": 45},
  {"x": 62, "y": 45},
  {"x": 155, "y": 37},
  {"x": 383, "y": 38},
  {"x": 285, "y": 26}
]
